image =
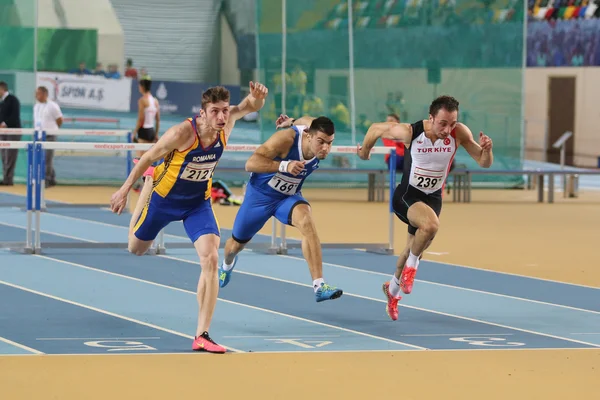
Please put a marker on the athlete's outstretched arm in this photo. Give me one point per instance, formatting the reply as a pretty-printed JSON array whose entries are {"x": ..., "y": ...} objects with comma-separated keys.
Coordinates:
[
  {"x": 385, "y": 130},
  {"x": 480, "y": 152},
  {"x": 251, "y": 103},
  {"x": 174, "y": 138},
  {"x": 278, "y": 145},
  {"x": 285, "y": 122}
]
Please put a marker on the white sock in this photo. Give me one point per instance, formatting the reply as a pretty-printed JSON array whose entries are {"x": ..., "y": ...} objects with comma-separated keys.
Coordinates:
[
  {"x": 317, "y": 283},
  {"x": 226, "y": 266},
  {"x": 394, "y": 286},
  {"x": 413, "y": 261}
]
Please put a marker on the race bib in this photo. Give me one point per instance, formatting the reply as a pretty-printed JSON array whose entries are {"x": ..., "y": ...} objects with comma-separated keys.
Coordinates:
[
  {"x": 427, "y": 180},
  {"x": 198, "y": 172},
  {"x": 284, "y": 184}
]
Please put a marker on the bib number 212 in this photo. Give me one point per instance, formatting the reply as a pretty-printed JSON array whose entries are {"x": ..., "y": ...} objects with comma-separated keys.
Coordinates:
[{"x": 198, "y": 175}]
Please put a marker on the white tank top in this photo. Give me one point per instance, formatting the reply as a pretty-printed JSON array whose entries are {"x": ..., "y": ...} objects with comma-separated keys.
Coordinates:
[
  {"x": 430, "y": 162},
  {"x": 149, "y": 112}
]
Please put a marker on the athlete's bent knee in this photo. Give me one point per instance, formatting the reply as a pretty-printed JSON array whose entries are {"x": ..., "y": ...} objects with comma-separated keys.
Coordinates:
[
  {"x": 430, "y": 228},
  {"x": 137, "y": 248},
  {"x": 208, "y": 260},
  {"x": 303, "y": 220}
]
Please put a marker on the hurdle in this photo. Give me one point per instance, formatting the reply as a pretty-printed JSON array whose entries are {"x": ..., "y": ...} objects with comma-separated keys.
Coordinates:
[
  {"x": 379, "y": 248},
  {"x": 282, "y": 247},
  {"x": 27, "y": 246},
  {"x": 42, "y": 136},
  {"x": 462, "y": 180},
  {"x": 34, "y": 190}
]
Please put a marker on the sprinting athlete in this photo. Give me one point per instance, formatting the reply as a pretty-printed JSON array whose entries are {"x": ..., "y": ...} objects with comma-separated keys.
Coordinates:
[
  {"x": 180, "y": 189},
  {"x": 430, "y": 148},
  {"x": 278, "y": 169},
  {"x": 148, "y": 122}
]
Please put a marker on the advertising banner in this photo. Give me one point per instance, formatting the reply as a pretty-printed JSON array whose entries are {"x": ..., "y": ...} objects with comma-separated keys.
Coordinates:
[
  {"x": 87, "y": 91},
  {"x": 179, "y": 98}
]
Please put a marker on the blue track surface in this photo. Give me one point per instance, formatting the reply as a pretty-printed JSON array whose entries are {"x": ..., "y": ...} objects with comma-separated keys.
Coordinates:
[{"x": 80, "y": 301}]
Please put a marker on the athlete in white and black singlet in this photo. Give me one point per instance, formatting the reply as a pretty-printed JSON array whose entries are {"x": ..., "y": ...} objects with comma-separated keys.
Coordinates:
[{"x": 430, "y": 146}]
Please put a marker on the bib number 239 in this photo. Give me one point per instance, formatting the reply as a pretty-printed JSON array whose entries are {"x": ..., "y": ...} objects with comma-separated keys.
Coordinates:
[
  {"x": 284, "y": 184},
  {"x": 198, "y": 172},
  {"x": 427, "y": 180}
]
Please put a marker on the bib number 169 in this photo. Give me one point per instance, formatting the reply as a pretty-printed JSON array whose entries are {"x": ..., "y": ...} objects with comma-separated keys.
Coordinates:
[{"x": 283, "y": 186}]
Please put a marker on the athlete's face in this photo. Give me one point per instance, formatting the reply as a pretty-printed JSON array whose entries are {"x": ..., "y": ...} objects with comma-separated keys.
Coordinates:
[
  {"x": 320, "y": 144},
  {"x": 216, "y": 115},
  {"x": 443, "y": 123}
]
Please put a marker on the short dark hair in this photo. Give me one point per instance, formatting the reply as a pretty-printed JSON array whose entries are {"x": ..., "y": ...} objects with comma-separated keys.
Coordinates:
[
  {"x": 448, "y": 103},
  {"x": 146, "y": 84},
  {"x": 395, "y": 116},
  {"x": 43, "y": 89},
  {"x": 214, "y": 95},
  {"x": 3, "y": 85},
  {"x": 322, "y": 124}
]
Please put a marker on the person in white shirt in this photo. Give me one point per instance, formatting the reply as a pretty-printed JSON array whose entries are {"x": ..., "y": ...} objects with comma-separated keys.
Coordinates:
[{"x": 47, "y": 116}]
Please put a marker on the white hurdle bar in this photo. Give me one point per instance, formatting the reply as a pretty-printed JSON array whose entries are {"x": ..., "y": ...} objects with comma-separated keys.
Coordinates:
[
  {"x": 34, "y": 190},
  {"x": 283, "y": 246},
  {"x": 41, "y": 136},
  {"x": 369, "y": 247}
]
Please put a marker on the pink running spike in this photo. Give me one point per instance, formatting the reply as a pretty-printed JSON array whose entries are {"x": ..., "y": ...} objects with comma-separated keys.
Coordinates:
[
  {"x": 149, "y": 171},
  {"x": 392, "y": 302},
  {"x": 407, "y": 279},
  {"x": 205, "y": 343}
]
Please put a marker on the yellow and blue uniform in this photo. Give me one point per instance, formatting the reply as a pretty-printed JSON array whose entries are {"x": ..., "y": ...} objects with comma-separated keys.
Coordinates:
[
  {"x": 273, "y": 194},
  {"x": 182, "y": 191}
]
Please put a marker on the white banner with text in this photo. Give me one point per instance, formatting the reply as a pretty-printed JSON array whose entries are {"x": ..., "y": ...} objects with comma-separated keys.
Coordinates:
[{"x": 87, "y": 91}]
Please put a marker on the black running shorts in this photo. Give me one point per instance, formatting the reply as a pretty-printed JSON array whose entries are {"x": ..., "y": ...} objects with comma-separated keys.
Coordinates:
[
  {"x": 146, "y": 134},
  {"x": 406, "y": 195}
]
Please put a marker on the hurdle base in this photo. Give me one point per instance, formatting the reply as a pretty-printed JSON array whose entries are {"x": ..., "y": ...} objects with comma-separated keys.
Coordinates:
[
  {"x": 69, "y": 206},
  {"x": 17, "y": 247},
  {"x": 377, "y": 248}
]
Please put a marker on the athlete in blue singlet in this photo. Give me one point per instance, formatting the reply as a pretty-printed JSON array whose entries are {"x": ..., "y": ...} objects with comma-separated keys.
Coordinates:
[
  {"x": 278, "y": 169},
  {"x": 179, "y": 189}
]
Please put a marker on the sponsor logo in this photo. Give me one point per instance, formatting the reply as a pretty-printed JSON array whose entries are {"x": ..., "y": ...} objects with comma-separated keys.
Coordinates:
[
  {"x": 114, "y": 146},
  {"x": 204, "y": 158},
  {"x": 435, "y": 150}
]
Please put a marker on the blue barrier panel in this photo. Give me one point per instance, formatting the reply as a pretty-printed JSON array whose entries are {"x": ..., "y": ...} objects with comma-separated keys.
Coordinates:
[{"x": 179, "y": 98}]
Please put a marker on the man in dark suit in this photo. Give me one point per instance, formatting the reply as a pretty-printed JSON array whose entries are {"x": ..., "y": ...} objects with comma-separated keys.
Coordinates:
[{"x": 10, "y": 117}]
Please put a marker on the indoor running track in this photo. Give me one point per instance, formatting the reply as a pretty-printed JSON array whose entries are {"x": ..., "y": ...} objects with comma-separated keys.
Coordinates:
[{"x": 90, "y": 301}]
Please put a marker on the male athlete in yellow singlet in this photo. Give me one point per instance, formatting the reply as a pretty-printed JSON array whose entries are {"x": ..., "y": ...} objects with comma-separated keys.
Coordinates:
[{"x": 180, "y": 190}]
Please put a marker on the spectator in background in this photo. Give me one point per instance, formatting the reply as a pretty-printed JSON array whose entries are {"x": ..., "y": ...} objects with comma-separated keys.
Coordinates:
[
  {"x": 99, "y": 70},
  {"x": 48, "y": 117},
  {"x": 392, "y": 143},
  {"x": 113, "y": 72},
  {"x": 82, "y": 70},
  {"x": 396, "y": 105},
  {"x": 313, "y": 105},
  {"x": 130, "y": 71},
  {"x": 340, "y": 114},
  {"x": 144, "y": 74},
  {"x": 363, "y": 124},
  {"x": 298, "y": 81},
  {"x": 390, "y": 104},
  {"x": 10, "y": 117}
]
